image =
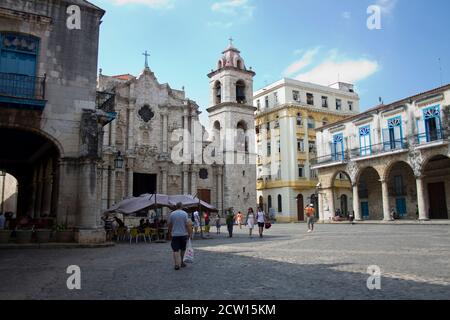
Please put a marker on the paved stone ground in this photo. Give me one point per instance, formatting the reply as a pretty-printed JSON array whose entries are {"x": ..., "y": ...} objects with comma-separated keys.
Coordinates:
[{"x": 287, "y": 263}]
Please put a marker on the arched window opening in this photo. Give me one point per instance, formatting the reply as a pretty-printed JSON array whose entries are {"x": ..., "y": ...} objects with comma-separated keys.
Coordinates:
[
  {"x": 217, "y": 92},
  {"x": 280, "y": 205},
  {"x": 240, "y": 92},
  {"x": 239, "y": 64}
]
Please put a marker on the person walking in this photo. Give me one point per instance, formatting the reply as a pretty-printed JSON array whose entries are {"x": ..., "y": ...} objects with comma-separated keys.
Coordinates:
[
  {"x": 239, "y": 217},
  {"x": 261, "y": 220},
  {"x": 180, "y": 230},
  {"x": 310, "y": 217},
  {"x": 230, "y": 222},
  {"x": 196, "y": 222},
  {"x": 207, "y": 221},
  {"x": 250, "y": 221},
  {"x": 218, "y": 225}
]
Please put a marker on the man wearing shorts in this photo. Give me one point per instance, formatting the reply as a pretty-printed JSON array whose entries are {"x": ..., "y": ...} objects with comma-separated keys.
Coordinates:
[
  {"x": 180, "y": 229},
  {"x": 310, "y": 217}
]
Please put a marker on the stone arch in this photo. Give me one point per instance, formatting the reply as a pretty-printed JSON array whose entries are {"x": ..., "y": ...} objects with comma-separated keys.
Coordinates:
[
  {"x": 370, "y": 193},
  {"x": 219, "y": 64},
  {"x": 436, "y": 186},
  {"x": 336, "y": 173},
  {"x": 38, "y": 179},
  {"x": 388, "y": 168},
  {"x": 39, "y": 132},
  {"x": 402, "y": 191}
]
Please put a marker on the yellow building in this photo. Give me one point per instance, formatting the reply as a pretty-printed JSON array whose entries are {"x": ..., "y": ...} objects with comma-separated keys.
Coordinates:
[{"x": 288, "y": 112}]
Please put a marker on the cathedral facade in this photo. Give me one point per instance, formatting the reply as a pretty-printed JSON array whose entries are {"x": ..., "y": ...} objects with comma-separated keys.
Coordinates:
[{"x": 166, "y": 150}]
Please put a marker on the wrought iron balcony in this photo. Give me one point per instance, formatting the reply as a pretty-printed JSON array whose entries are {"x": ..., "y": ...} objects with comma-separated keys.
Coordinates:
[
  {"x": 378, "y": 149},
  {"x": 335, "y": 158},
  {"x": 18, "y": 90},
  {"x": 429, "y": 136},
  {"x": 105, "y": 101}
]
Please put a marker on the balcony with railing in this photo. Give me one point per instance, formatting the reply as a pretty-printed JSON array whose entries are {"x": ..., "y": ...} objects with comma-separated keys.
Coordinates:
[
  {"x": 430, "y": 136},
  {"x": 22, "y": 91},
  {"x": 330, "y": 159},
  {"x": 105, "y": 102},
  {"x": 379, "y": 149}
]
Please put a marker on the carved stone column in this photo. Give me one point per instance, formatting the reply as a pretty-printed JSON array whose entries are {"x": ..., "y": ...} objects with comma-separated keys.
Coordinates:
[
  {"x": 356, "y": 204},
  {"x": 194, "y": 177},
  {"x": 186, "y": 135},
  {"x": 47, "y": 190},
  {"x": 423, "y": 214},
  {"x": 185, "y": 179},
  {"x": 330, "y": 203},
  {"x": 165, "y": 142},
  {"x": 39, "y": 187},
  {"x": 220, "y": 190},
  {"x": 321, "y": 206},
  {"x": 385, "y": 196}
]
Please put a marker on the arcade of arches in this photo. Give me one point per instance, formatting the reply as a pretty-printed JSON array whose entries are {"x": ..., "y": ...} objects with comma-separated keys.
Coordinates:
[
  {"x": 388, "y": 190},
  {"x": 30, "y": 186}
]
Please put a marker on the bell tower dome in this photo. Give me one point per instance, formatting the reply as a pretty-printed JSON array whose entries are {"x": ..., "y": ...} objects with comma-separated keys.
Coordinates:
[{"x": 231, "y": 81}]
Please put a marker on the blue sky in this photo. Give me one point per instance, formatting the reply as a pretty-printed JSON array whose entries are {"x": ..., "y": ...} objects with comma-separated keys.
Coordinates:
[{"x": 312, "y": 40}]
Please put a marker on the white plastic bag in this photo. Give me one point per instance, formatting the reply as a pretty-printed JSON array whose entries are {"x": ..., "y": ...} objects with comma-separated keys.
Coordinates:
[{"x": 189, "y": 253}]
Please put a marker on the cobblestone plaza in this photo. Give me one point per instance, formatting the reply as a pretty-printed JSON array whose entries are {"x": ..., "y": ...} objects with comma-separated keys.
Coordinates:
[{"x": 287, "y": 263}]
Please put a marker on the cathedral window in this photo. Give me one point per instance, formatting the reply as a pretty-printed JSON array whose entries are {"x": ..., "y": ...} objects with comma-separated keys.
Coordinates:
[{"x": 203, "y": 174}]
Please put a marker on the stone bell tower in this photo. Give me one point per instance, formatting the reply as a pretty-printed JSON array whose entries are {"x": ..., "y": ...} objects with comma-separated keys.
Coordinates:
[{"x": 231, "y": 114}]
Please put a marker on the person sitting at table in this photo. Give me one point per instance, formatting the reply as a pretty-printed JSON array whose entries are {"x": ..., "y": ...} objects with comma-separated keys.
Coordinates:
[{"x": 141, "y": 226}]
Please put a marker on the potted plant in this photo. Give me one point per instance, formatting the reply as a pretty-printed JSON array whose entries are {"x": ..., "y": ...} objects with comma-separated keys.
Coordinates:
[
  {"x": 63, "y": 233},
  {"x": 24, "y": 235},
  {"x": 43, "y": 232},
  {"x": 43, "y": 235},
  {"x": 5, "y": 235}
]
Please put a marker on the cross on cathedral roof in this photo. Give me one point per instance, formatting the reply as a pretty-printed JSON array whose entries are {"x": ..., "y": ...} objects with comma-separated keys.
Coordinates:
[{"x": 146, "y": 54}]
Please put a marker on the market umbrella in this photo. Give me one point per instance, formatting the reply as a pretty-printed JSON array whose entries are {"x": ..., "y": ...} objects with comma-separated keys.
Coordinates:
[
  {"x": 190, "y": 201},
  {"x": 135, "y": 204}
]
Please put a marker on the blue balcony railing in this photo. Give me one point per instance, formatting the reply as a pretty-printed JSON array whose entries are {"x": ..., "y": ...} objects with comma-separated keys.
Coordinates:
[
  {"x": 22, "y": 86},
  {"x": 429, "y": 136}
]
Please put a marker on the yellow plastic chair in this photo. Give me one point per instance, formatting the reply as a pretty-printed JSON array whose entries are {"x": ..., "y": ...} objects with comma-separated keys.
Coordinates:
[
  {"x": 134, "y": 233},
  {"x": 153, "y": 233},
  {"x": 148, "y": 234},
  {"x": 121, "y": 233}
]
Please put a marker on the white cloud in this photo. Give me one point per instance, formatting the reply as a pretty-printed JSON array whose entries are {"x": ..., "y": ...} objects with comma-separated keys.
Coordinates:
[
  {"x": 329, "y": 71},
  {"x": 303, "y": 62},
  {"x": 219, "y": 24},
  {"x": 298, "y": 52},
  {"x": 157, "y": 4},
  {"x": 234, "y": 7},
  {"x": 346, "y": 15},
  {"x": 387, "y": 6}
]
